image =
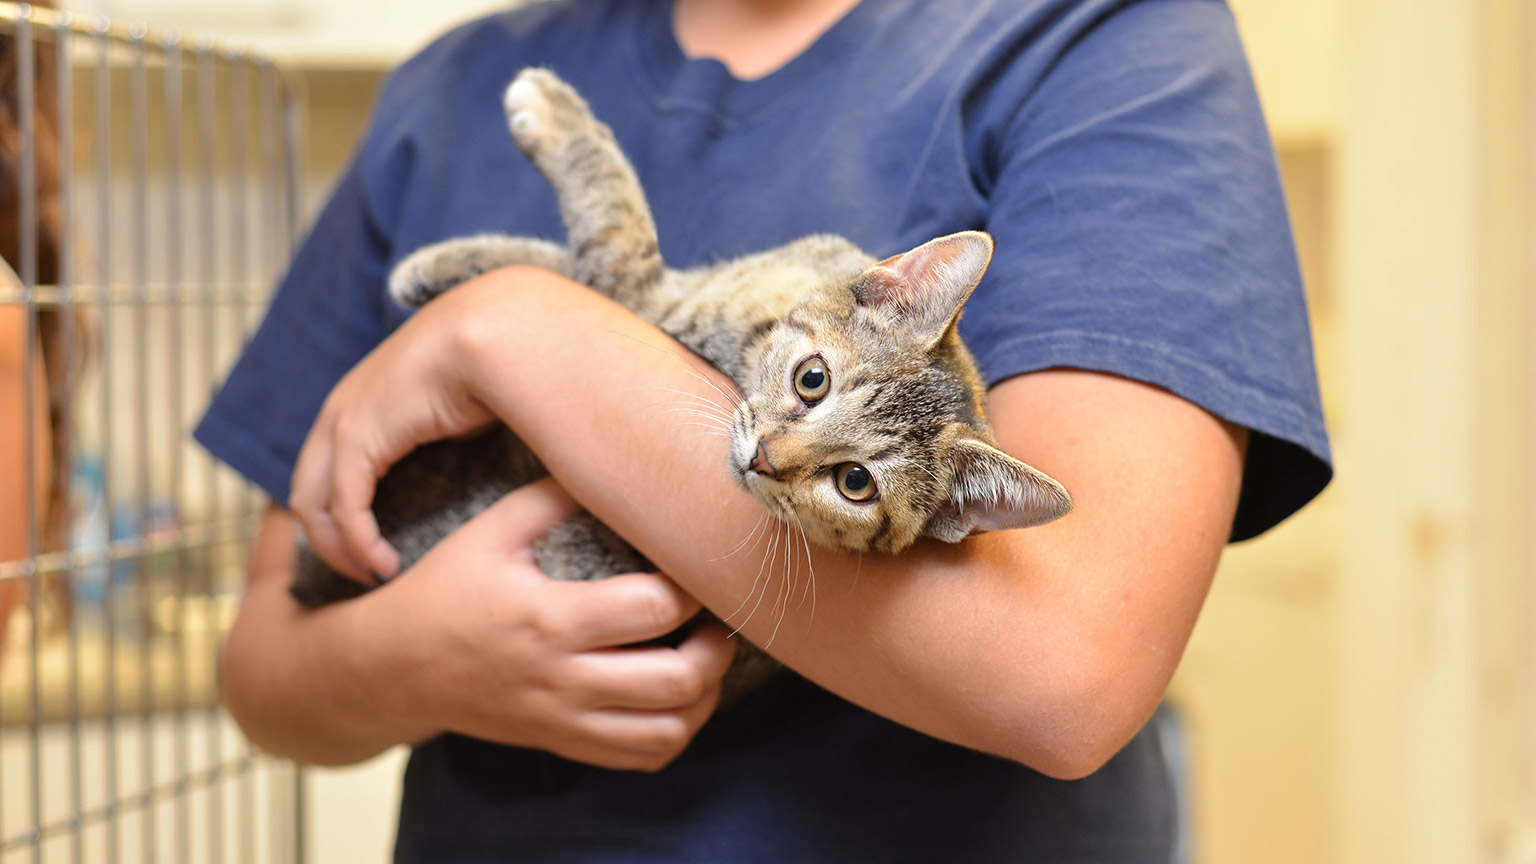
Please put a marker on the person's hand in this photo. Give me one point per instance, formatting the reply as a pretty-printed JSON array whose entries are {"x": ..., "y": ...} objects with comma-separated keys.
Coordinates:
[
  {"x": 494, "y": 649},
  {"x": 409, "y": 391}
]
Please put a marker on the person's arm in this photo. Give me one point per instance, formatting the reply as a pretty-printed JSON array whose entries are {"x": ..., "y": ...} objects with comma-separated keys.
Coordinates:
[
  {"x": 13, "y": 430},
  {"x": 474, "y": 640},
  {"x": 1050, "y": 646},
  {"x": 15, "y": 497}
]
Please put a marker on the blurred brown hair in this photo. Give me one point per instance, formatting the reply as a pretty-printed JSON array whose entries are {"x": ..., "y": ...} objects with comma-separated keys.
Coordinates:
[
  {"x": 54, "y": 589},
  {"x": 49, "y": 213}
]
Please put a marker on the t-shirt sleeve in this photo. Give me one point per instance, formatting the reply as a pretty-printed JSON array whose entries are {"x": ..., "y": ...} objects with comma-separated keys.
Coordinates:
[
  {"x": 1142, "y": 231},
  {"x": 328, "y": 312}
]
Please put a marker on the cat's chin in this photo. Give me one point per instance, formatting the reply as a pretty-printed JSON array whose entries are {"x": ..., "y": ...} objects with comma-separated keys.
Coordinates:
[
  {"x": 766, "y": 492},
  {"x": 772, "y": 497}
]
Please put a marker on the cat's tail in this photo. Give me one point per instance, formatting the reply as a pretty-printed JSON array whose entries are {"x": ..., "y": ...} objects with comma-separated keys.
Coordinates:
[{"x": 434, "y": 269}]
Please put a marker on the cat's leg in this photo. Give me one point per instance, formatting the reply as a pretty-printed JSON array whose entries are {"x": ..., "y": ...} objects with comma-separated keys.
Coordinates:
[
  {"x": 431, "y": 270},
  {"x": 611, "y": 234}
]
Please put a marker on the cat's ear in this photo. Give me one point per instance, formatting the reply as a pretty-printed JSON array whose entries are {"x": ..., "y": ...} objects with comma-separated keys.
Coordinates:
[
  {"x": 993, "y": 491},
  {"x": 923, "y": 290}
]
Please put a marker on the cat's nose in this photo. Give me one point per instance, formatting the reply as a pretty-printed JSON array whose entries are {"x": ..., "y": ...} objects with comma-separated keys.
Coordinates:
[{"x": 762, "y": 465}]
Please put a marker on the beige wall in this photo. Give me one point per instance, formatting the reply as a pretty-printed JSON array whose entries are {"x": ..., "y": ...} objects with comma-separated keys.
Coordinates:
[{"x": 1361, "y": 682}]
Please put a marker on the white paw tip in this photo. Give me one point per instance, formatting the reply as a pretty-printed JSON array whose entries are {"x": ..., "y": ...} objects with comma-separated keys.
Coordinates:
[
  {"x": 404, "y": 285},
  {"x": 524, "y": 123},
  {"x": 522, "y": 94}
]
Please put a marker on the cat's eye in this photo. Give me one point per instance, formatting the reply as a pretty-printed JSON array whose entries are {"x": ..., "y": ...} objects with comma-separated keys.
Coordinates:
[
  {"x": 812, "y": 380},
  {"x": 855, "y": 481}
]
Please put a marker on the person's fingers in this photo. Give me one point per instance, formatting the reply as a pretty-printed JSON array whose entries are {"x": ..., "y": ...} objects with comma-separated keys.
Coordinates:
[
  {"x": 621, "y": 610},
  {"x": 711, "y": 646},
  {"x": 649, "y": 740},
  {"x": 645, "y": 679},
  {"x": 657, "y": 678},
  {"x": 325, "y": 538},
  {"x": 309, "y": 502},
  {"x": 528, "y": 512},
  {"x": 355, "y": 471},
  {"x": 640, "y": 740}
]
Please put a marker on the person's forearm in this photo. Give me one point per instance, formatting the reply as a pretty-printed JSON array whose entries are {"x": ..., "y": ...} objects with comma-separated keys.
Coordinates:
[
  {"x": 297, "y": 681},
  {"x": 1013, "y": 643},
  {"x": 15, "y": 413}
]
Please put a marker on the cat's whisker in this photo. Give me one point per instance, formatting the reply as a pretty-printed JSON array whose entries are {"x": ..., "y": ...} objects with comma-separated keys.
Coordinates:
[
  {"x": 811, "y": 582},
  {"x": 688, "y": 394},
  {"x": 704, "y": 423},
  {"x": 695, "y": 399},
  {"x": 786, "y": 586},
  {"x": 773, "y": 573},
  {"x": 708, "y": 409},
  {"x": 750, "y": 535},
  {"x": 689, "y": 362},
  {"x": 790, "y": 553},
  {"x": 756, "y": 527},
  {"x": 695, "y": 411},
  {"x": 757, "y": 537},
  {"x": 733, "y": 398},
  {"x": 709, "y": 415},
  {"x": 768, "y": 555},
  {"x": 688, "y": 418},
  {"x": 708, "y": 426},
  {"x": 768, "y": 520},
  {"x": 791, "y": 568}
]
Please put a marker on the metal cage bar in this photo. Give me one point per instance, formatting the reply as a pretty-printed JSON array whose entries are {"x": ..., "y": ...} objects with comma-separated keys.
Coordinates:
[{"x": 160, "y": 198}]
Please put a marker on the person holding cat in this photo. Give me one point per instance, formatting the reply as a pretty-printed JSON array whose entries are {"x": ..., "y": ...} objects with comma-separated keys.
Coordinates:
[{"x": 1141, "y": 325}]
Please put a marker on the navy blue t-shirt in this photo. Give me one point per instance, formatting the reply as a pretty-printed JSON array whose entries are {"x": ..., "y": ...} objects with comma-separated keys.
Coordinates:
[{"x": 1116, "y": 152}]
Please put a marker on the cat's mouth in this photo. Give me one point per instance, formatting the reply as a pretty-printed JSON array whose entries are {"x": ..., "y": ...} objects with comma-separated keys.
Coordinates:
[
  {"x": 741, "y": 461},
  {"x": 762, "y": 487},
  {"x": 768, "y": 492}
]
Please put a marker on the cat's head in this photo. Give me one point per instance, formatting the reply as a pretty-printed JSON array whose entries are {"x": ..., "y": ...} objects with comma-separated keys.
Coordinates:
[{"x": 864, "y": 417}]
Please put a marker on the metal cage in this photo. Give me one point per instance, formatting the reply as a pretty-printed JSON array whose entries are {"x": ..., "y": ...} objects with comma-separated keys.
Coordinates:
[{"x": 165, "y": 185}]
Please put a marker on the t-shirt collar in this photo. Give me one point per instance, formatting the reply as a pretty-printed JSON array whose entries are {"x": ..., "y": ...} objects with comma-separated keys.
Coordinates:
[{"x": 678, "y": 82}]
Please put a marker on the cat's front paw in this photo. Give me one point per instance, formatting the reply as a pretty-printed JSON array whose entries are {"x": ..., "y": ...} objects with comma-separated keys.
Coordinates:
[{"x": 408, "y": 282}]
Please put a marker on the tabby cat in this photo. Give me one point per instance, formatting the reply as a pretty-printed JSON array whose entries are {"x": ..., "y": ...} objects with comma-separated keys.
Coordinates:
[{"x": 862, "y": 418}]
